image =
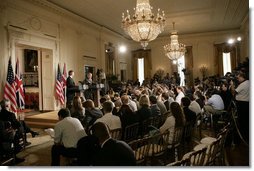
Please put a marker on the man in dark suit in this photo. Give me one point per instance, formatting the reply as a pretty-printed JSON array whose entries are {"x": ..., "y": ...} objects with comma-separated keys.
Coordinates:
[
  {"x": 113, "y": 152},
  {"x": 71, "y": 88}
]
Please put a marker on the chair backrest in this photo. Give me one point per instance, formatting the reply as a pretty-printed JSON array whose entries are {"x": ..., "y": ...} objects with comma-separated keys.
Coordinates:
[
  {"x": 212, "y": 151},
  {"x": 183, "y": 162},
  {"x": 141, "y": 148},
  {"x": 145, "y": 125},
  {"x": 116, "y": 133},
  {"x": 155, "y": 121},
  {"x": 187, "y": 134},
  {"x": 177, "y": 137},
  {"x": 159, "y": 143},
  {"x": 131, "y": 132},
  {"x": 197, "y": 158}
]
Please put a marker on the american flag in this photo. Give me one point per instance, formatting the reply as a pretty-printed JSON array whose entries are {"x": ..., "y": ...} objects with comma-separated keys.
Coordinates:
[
  {"x": 59, "y": 87},
  {"x": 64, "y": 77},
  {"x": 19, "y": 88},
  {"x": 9, "y": 88}
]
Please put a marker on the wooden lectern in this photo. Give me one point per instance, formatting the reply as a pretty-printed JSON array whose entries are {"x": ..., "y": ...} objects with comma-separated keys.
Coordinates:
[{"x": 94, "y": 89}]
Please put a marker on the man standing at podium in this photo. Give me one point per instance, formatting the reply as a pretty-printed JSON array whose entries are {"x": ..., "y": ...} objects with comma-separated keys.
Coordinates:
[
  {"x": 89, "y": 81},
  {"x": 70, "y": 88}
]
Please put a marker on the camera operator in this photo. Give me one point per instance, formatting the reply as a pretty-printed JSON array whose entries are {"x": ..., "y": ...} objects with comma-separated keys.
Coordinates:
[{"x": 242, "y": 101}]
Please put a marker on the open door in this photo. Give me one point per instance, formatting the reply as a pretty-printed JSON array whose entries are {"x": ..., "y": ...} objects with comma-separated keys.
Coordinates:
[{"x": 47, "y": 80}]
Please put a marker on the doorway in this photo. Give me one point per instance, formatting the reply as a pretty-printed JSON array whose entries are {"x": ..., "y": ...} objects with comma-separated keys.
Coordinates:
[{"x": 36, "y": 68}]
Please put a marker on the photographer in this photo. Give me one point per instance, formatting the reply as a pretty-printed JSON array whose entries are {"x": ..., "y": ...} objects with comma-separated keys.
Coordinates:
[{"x": 242, "y": 101}]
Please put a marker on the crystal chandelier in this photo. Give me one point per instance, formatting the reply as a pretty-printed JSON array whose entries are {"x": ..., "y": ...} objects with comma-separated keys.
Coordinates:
[
  {"x": 143, "y": 26},
  {"x": 174, "y": 50}
]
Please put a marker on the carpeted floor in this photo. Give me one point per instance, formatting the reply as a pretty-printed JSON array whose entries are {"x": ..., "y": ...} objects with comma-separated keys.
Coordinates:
[{"x": 38, "y": 153}]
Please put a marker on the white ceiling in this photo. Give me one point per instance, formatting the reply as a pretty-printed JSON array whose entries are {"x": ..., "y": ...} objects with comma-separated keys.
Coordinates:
[{"x": 190, "y": 16}]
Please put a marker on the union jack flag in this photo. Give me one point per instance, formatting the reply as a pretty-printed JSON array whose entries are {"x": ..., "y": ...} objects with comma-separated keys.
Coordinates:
[{"x": 19, "y": 88}]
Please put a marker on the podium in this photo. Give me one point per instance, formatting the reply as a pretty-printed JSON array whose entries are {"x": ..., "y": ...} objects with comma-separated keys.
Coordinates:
[{"x": 92, "y": 92}]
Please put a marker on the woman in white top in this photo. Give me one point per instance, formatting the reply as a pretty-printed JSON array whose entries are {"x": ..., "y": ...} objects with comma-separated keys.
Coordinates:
[{"x": 177, "y": 119}]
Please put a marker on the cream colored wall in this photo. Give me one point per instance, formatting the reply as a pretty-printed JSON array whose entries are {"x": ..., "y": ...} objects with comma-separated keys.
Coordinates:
[
  {"x": 72, "y": 36},
  {"x": 202, "y": 49}
]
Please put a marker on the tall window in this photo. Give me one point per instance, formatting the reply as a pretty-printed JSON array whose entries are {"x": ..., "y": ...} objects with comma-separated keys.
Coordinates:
[
  {"x": 226, "y": 63},
  {"x": 180, "y": 67},
  {"x": 141, "y": 73}
]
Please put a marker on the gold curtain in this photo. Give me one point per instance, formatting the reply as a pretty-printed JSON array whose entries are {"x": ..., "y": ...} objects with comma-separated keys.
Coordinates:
[
  {"x": 146, "y": 54},
  {"x": 219, "y": 49},
  {"x": 188, "y": 57}
]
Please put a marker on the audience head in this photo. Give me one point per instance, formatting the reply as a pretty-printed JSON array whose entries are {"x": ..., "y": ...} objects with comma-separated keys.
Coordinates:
[
  {"x": 63, "y": 113},
  {"x": 144, "y": 100},
  {"x": 5, "y": 104},
  {"x": 107, "y": 97},
  {"x": 153, "y": 99},
  {"x": 185, "y": 101},
  {"x": 108, "y": 107},
  {"x": 177, "y": 112},
  {"x": 102, "y": 100},
  {"x": 241, "y": 77},
  {"x": 125, "y": 99},
  {"x": 101, "y": 131},
  {"x": 77, "y": 104},
  {"x": 89, "y": 104},
  {"x": 165, "y": 95}
]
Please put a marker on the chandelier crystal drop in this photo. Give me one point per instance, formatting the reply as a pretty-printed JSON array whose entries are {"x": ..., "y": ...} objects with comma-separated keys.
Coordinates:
[
  {"x": 174, "y": 50},
  {"x": 143, "y": 26}
]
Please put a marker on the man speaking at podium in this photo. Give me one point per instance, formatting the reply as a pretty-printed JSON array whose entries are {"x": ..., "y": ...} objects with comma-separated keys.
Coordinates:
[
  {"x": 71, "y": 88},
  {"x": 89, "y": 81}
]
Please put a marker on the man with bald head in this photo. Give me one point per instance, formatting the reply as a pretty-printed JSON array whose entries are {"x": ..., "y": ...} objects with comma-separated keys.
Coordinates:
[{"x": 113, "y": 152}]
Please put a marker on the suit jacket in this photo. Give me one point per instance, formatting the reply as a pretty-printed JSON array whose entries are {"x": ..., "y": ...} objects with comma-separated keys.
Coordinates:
[
  {"x": 71, "y": 88},
  {"x": 115, "y": 153},
  {"x": 5, "y": 115},
  {"x": 155, "y": 110}
]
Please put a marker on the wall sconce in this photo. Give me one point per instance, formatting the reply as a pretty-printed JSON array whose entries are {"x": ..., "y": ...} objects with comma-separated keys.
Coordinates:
[
  {"x": 203, "y": 69},
  {"x": 35, "y": 68}
]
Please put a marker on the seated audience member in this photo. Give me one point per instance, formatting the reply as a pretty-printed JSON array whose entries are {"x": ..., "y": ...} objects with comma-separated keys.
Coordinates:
[
  {"x": 77, "y": 109},
  {"x": 108, "y": 118},
  {"x": 165, "y": 99},
  {"x": 194, "y": 106},
  {"x": 92, "y": 113},
  {"x": 118, "y": 104},
  {"x": 214, "y": 102},
  {"x": 102, "y": 100},
  {"x": 177, "y": 119},
  {"x": 9, "y": 121},
  {"x": 131, "y": 103},
  {"x": 87, "y": 148},
  {"x": 113, "y": 152},
  {"x": 127, "y": 116},
  {"x": 145, "y": 111},
  {"x": 200, "y": 99},
  {"x": 190, "y": 116},
  {"x": 68, "y": 131},
  {"x": 154, "y": 107}
]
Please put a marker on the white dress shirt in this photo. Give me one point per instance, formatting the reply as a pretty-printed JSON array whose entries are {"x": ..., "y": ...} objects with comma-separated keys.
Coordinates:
[
  {"x": 68, "y": 131},
  {"x": 243, "y": 91},
  {"x": 111, "y": 120}
]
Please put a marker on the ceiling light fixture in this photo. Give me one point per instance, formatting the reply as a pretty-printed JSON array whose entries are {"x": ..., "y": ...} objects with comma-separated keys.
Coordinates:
[
  {"x": 143, "y": 26},
  {"x": 174, "y": 50}
]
